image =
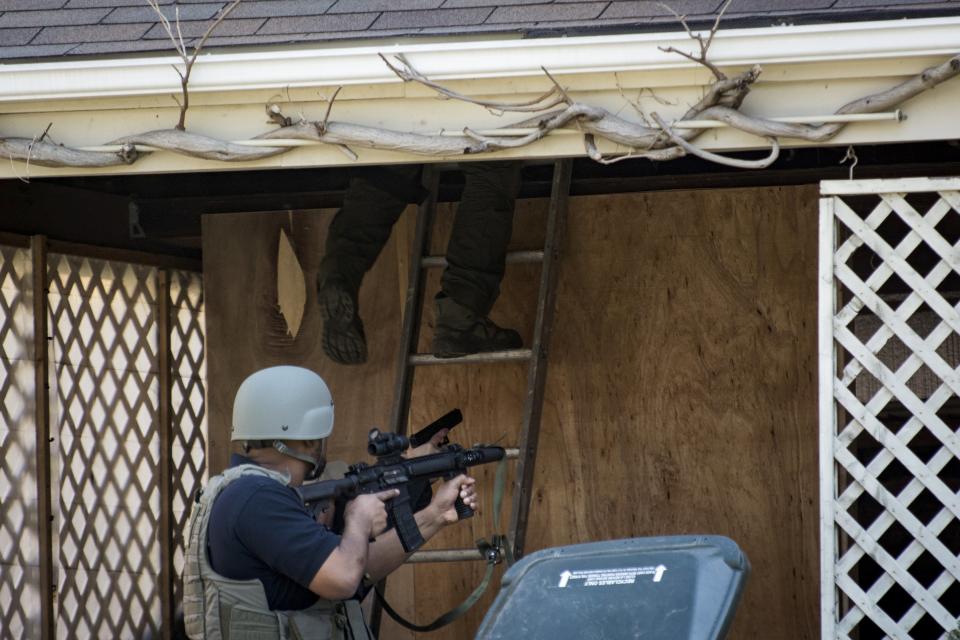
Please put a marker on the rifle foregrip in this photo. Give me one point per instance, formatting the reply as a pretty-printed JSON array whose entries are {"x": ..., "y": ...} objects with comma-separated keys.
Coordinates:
[{"x": 463, "y": 510}]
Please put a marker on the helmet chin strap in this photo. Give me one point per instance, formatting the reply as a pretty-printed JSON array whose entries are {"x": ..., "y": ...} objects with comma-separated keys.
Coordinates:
[{"x": 316, "y": 466}]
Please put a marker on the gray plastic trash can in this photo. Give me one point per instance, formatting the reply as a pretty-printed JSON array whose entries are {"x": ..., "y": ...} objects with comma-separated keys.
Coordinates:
[{"x": 670, "y": 588}]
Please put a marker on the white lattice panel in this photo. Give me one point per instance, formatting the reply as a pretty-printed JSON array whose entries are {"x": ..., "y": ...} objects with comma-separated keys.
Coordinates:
[
  {"x": 19, "y": 535},
  {"x": 104, "y": 378},
  {"x": 188, "y": 399},
  {"x": 890, "y": 408},
  {"x": 105, "y": 381}
]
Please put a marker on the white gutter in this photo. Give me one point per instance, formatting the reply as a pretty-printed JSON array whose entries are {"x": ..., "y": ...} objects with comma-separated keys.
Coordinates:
[{"x": 274, "y": 70}]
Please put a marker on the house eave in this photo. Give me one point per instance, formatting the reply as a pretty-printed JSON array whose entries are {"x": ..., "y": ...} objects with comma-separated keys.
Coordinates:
[
  {"x": 279, "y": 69},
  {"x": 808, "y": 71}
]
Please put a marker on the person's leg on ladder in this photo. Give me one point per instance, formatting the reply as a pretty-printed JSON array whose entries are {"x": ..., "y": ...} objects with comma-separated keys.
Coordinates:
[
  {"x": 475, "y": 263},
  {"x": 357, "y": 234}
]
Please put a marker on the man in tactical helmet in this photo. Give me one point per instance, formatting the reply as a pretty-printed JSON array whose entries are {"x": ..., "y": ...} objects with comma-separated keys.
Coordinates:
[
  {"x": 476, "y": 257},
  {"x": 258, "y": 564}
]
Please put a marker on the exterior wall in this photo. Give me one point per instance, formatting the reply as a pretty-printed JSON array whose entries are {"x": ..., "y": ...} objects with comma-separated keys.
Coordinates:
[{"x": 681, "y": 394}]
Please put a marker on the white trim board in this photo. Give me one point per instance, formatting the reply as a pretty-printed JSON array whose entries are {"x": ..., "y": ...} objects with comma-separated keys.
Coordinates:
[
  {"x": 901, "y": 185},
  {"x": 276, "y": 69}
]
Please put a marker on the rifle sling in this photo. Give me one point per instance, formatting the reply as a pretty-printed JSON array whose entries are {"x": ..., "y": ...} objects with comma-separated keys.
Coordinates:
[
  {"x": 463, "y": 607},
  {"x": 449, "y": 616}
]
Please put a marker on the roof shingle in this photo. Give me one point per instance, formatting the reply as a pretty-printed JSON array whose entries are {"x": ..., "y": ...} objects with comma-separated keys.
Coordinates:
[
  {"x": 243, "y": 27},
  {"x": 21, "y": 35},
  {"x": 91, "y": 33},
  {"x": 274, "y": 8},
  {"x": 453, "y": 4},
  {"x": 319, "y": 24},
  {"x": 37, "y": 29},
  {"x": 79, "y": 4},
  {"x": 52, "y": 18},
  {"x": 170, "y": 12},
  {"x": 635, "y": 9},
  {"x": 437, "y": 18},
  {"x": 356, "y": 6},
  {"x": 38, "y": 51},
  {"x": 537, "y": 13},
  {"x": 29, "y": 5}
]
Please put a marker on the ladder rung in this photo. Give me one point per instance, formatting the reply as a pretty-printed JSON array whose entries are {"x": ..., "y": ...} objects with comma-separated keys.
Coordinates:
[
  {"x": 515, "y": 355},
  {"x": 445, "y": 555},
  {"x": 513, "y": 257}
]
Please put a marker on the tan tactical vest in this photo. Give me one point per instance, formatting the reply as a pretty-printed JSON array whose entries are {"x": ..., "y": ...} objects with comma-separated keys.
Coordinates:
[{"x": 218, "y": 608}]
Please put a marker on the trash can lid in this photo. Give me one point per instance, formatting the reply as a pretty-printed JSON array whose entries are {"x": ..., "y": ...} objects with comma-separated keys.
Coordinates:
[{"x": 670, "y": 588}]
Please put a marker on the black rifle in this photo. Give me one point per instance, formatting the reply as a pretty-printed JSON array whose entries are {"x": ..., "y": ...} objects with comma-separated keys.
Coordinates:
[{"x": 393, "y": 471}]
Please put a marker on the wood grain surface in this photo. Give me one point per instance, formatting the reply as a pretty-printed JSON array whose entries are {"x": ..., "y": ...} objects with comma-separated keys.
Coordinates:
[{"x": 681, "y": 393}]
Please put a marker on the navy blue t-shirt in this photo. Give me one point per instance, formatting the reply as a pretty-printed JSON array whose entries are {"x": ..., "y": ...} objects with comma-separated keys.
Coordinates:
[{"x": 259, "y": 529}]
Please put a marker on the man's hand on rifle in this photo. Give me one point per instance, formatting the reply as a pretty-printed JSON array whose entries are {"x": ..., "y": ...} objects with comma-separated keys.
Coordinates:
[
  {"x": 340, "y": 575},
  {"x": 444, "y": 498},
  {"x": 369, "y": 512}
]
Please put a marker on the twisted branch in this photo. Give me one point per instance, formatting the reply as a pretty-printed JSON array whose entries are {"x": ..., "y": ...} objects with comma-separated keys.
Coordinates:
[
  {"x": 719, "y": 159},
  {"x": 704, "y": 43},
  {"x": 46, "y": 154},
  {"x": 408, "y": 73},
  {"x": 188, "y": 60}
]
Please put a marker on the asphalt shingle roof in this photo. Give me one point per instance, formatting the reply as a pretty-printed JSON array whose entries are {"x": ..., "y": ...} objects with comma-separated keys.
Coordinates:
[{"x": 40, "y": 29}]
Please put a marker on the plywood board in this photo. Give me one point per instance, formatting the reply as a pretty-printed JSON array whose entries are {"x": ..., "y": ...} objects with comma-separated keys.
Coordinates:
[
  {"x": 246, "y": 332},
  {"x": 681, "y": 394}
]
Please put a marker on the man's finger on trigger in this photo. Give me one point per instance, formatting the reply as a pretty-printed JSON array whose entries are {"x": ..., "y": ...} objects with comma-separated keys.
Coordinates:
[{"x": 388, "y": 494}]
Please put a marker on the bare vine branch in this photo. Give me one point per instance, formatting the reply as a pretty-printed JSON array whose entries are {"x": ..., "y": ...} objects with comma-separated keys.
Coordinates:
[
  {"x": 181, "y": 47},
  {"x": 713, "y": 157},
  {"x": 655, "y": 155},
  {"x": 199, "y": 146},
  {"x": 704, "y": 43},
  {"x": 408, "y": 73},
  {"x": 326, "y": 117},
  {"x": 45, "y": 154}
]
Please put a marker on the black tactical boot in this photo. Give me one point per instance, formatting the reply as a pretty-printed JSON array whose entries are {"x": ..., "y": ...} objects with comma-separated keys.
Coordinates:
[
  {"x": 343, "y": 338},
  {"x": 460, "y": 332}
]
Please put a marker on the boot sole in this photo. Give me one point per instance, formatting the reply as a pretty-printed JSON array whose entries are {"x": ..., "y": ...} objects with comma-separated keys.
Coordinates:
[
  {"x": 447, "y": 351},
  {"x": 343, "y": 338}
]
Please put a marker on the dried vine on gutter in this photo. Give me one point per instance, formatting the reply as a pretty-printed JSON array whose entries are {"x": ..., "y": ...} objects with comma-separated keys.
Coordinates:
[
  {"x": 722, "y": 101},
  {"x": 181, "y": 47}
]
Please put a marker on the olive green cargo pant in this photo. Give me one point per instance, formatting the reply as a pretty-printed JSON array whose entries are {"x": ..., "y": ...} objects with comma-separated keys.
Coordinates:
[{"x": 478, "y": 242}]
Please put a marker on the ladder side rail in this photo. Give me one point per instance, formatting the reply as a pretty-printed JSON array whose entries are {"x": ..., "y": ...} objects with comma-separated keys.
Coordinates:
[
  {"x": 537, "y": 373},
  {"x": 412, "y": 311},
  {"x": 413, "y": 307}
]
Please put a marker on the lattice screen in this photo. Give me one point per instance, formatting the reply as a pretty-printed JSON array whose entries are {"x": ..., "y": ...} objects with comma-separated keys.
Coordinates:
[
  {"x": 890, "y": 408},
  {"x": 188, "y": 400},
  {"x": 104, "y": 323},
  {"x": 104, "y": 423},
  {"x": 19, "y": 541}
]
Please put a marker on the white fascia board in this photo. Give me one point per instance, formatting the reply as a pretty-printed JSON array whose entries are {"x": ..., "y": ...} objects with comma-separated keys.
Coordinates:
[{"x": 324, "y": 67}]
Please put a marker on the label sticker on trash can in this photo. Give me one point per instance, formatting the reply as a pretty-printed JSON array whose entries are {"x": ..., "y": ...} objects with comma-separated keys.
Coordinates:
[{"x": 607, "y": 577}]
